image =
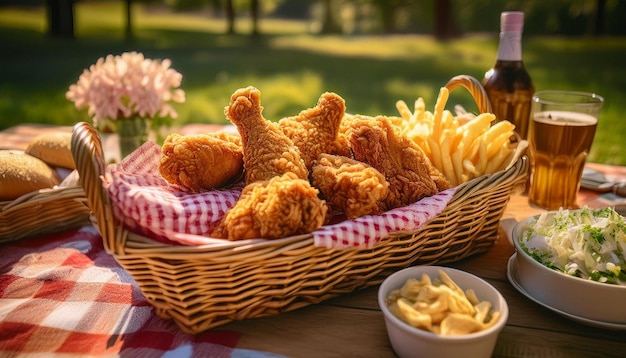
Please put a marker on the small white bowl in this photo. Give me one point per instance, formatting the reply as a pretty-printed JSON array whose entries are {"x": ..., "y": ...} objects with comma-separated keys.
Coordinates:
[
  {"x": 408, "y": 341},
  {"x": 586, "y": 299}
]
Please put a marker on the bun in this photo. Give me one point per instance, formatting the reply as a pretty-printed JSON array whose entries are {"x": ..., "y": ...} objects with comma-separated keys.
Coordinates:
[
  {"x": 53, "y": 148},
  {"x": 21, "y": 173}
]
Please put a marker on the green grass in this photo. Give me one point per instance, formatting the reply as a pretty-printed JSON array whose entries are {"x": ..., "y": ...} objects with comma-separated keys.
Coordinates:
[{"x": 289, "y": 65}]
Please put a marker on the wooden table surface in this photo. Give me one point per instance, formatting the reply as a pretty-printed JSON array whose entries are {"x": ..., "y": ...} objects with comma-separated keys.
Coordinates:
[{"x": 352, "y": 325}]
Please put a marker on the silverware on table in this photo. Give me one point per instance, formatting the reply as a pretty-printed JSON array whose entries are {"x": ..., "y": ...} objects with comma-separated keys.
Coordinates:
[{"x": 596, "y": 181}]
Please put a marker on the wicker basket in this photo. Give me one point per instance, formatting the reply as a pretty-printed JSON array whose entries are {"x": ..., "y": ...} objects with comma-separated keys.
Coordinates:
[
  {"x": 202, "y": 287},
  {"x": 43, "y": 211}
]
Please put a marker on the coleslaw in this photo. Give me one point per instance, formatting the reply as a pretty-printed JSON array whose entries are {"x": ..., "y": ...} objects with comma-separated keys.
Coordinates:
[{"x": 587, "y": 243}]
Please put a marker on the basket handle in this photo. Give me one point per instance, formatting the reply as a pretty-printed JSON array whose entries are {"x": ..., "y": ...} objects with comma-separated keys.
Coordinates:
[
  {"x": 474, "y": 87},
  {"x": 89, "y": 158}
]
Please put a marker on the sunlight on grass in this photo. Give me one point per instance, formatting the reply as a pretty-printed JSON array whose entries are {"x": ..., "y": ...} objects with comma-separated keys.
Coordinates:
[
  {"x": 397, "y": 47},
  {"x": 89, "y": 19},
  {"x": 281, "y": 96},
  {"x": 89, "y": 16},
  {"x": 399, "y": 88},
  {"x": 23, "y": 19},
  {"x": 379, "y": 47},
  {"x": 291, "y": 66},
  {"x": 179, "y": 22}
]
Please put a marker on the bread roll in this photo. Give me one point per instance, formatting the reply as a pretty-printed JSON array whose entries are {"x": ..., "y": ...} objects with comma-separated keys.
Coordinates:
[
  {"x": 21, "y": 173},
  {"x": 53, "y": 148}
]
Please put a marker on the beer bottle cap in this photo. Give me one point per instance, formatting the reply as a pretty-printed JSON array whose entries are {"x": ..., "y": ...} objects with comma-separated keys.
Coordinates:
[{"x": 512, "y": 21}]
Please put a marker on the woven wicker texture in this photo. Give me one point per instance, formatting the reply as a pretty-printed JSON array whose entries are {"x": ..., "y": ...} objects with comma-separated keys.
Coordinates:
[
  {"x": 202, "y": 287},
  {"x": 43, "y": 211},
  {"x": 475, "y": 88}
]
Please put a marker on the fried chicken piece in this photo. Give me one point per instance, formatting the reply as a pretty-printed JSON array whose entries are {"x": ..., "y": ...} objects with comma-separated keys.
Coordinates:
[
  {"x": 314, "y": 130},
  {"x": 202, "y": 162},
  {"x": 351, "y": 186},
  {"x": 406, "y": 167},
  {"x": 280, "y": 207},
  {"x": 267, "y": 151},
  {"x": 230, "y": 137},
  {"x": 343, "y": 136}
]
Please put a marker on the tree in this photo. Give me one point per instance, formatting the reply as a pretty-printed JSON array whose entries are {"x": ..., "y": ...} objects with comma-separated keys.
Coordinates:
[
  {"x": 386, "y": 10},
  {"x": 60, "y": 18},
  {"x": 230, "y": 16},
  {"x": 598, "y": 27},
  {"x": 329, "y": 25},
  {"x": 61, "y": 15},
  {"x": 445, "y": 27},
  {"x": 254, "y": 11},
  {"x": 254, "y": 14},
  {"x": 129, "y": 23}
]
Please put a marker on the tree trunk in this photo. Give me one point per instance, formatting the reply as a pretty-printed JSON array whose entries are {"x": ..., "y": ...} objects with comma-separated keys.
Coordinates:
[
  {"x": 230, "y": 16},
  {"x": 598, "y": 28},
  {"x": 444, "y": 23},
  {"x": 129, "y": 19},
  {"x": 387, "y": 13},
  {"x": 329, "y": 25},
  {"x": 60, "y": 18},
  {"x": 254, "y": 12}
]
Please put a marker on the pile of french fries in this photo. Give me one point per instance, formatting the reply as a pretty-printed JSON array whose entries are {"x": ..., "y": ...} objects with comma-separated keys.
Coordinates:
[{"x": 462, "y": 146}]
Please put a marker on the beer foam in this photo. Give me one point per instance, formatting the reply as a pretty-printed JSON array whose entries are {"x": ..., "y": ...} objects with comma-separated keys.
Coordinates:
[{"x": 565, "y": 118}]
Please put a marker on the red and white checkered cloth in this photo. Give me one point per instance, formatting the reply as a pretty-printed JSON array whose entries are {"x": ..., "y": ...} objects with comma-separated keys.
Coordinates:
[
  {"x": 62, "y": 295},
  {"x": 145, "y": 203}
]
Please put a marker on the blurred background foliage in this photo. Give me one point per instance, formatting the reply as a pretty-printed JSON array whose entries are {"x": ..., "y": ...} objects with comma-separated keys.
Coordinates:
[
  {"x": 371, "y": 52},
  {"x": 554, "y": 17}
]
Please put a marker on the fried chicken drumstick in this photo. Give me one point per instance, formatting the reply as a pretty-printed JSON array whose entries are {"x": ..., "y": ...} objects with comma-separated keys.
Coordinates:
[
  {"x": 278, "y": 199},
  {"x": 267, "y": 151},
  {"x": 314, "y": 131}
]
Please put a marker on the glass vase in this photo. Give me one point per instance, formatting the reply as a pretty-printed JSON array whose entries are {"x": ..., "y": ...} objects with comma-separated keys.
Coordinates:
[{"x": 132, "y": 132}]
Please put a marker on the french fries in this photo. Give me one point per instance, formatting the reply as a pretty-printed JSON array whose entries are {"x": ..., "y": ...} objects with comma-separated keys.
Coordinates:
[{"x": 462, "y": 146}]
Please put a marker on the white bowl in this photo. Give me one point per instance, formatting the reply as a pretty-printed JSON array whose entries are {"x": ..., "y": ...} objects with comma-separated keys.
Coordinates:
[
  {"x": 587, "y": 299},
  {"x": 408, "y": 341}
]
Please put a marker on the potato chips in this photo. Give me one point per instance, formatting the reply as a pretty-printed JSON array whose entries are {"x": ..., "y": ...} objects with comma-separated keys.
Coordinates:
[
  {"x": 461, "y": 146},
  {"x": 441, "y": 306}
]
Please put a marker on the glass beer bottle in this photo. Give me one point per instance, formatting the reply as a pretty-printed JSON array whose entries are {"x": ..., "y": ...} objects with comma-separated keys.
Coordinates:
[{"x": 508, "y": 84}]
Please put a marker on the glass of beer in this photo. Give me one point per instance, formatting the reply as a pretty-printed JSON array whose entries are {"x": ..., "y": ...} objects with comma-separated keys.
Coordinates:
[{"x": 560, "y": 136}]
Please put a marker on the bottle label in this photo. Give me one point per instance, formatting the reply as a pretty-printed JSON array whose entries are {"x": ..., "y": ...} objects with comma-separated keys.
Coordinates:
[{"x": 510, "y": 47}]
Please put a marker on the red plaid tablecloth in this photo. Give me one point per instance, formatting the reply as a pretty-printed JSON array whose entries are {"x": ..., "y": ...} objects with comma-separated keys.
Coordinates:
[
  {"x": 63, "y": 295},
  {"x": 18, "y": 137},
  {"x": 147, "y": 204}
]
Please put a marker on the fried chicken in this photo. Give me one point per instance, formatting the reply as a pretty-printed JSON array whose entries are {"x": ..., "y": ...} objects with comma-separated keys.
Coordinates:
[
  {"x": 314, "y": 130},
  {"x": 227, "y": 136},
  {"x": 278, "y": 200},
  {"x": 406, "y": 167},
  {"x": 349, "y": 186},
  {"x": 267, "y": 151},
  {"x": 202, "y": 162},
  {"x": 280, "y": 207}
]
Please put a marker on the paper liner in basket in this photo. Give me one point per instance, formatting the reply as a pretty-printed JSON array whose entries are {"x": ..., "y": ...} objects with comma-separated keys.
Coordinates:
[{"x": 146, "y": 203}]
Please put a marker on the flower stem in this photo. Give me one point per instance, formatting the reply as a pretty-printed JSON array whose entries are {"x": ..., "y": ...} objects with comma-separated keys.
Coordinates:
[{"x": 133, "y": 132}]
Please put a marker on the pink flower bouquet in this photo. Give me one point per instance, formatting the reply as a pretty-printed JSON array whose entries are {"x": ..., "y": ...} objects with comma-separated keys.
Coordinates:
[{"x": 127, "y": 86}]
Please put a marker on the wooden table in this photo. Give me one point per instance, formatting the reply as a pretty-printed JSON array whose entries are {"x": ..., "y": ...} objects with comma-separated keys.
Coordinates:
[{"x": 352, "y": 325}]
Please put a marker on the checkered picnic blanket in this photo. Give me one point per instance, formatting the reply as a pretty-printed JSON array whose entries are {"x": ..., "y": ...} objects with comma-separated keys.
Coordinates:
[
  {"x": 18, "y": 137},
  {"x": 63, "y": 295}
]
